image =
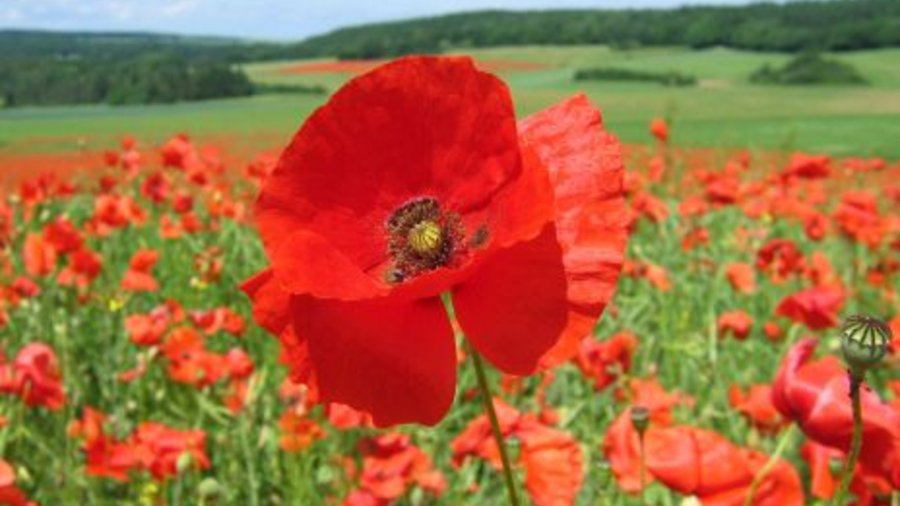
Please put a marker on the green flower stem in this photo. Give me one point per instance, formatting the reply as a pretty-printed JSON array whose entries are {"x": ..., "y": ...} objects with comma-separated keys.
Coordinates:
[
  {"x": 769, "y": 465},
  {"x": 495, "y": 426},
  {"x": 855, "y": 442},
  {"x": 643, "y": 468}
]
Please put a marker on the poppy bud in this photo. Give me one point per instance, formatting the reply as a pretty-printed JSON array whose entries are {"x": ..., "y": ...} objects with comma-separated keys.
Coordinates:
[
  {"x": 185, "y": 462},
  {"x": 640, "y": 419},
  {"x": 864, "y": 342},
  {"x": 209, "y": 488}
]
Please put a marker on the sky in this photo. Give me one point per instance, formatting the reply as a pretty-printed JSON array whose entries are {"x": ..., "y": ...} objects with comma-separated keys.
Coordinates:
[{"x": 263, "y": 19}]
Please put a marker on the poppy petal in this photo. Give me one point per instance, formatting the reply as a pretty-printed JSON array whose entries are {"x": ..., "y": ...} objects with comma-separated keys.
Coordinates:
[
  {"x": 513, "y": 308},
  {"x": 586, "y": 172},
  {"x": 378, "y": 144},
  {"x": 392, "y": 359}
]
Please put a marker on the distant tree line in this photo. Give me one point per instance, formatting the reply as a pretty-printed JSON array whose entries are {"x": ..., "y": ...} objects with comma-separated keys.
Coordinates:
[
  {"x": 836, "y": 25},
  {"x": 822, "y": 25},
  {"x": 151, "y": 78}
]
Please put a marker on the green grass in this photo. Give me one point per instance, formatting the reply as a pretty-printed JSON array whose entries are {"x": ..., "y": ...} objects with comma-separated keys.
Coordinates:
[{"x": 724, "y": 110}]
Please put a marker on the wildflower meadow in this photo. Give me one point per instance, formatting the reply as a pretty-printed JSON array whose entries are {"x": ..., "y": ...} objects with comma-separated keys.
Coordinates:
[{"x": 422, "y": 297}]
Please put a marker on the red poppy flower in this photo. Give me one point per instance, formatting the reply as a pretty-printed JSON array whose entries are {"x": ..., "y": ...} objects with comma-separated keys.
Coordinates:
[
  {"x": 824, "y": 463},
  {"x": 392, "y": 465},
  {"x": 779, "y": 258},
  {"x": 738, "y": 323},
  {"x": 412, "y": 181},
  {"x": 553, "y": 460},
  {"x": 63, "y": 236},
  {"x": 740, "y": 277},
  {"x": 298, "y": 432},
  {"x": 139, "y": 276},
  {"x": 807, "y": 166},
  {"x": 37, "y": 377},
  {"x": 756, "y": 406},
  {"x": 858, "y": 217},
  {"x": 159, "y": 448},
  {"x": 816, "y": 396},
  {"x": 697, "y": 462},
  {"x": 39, "y": 255},
  {"x": 816, "y": 308},
  {"x": 604, "y": 361},
  {"x": 660, "y": 129}
]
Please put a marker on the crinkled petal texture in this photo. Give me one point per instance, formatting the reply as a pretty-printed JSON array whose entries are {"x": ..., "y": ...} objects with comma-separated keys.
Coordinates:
[
  {"x": 530, "y": 305},
  {"x": 414, "y": 128}
]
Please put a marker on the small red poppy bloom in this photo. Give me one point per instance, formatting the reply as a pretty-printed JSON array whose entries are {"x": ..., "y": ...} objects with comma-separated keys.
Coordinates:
[
  {"x": 415, "y": 180},
  {"x": 553, "y": 461},
  {"x": 816, "y": 308},
  {"x": 605, "y": 361},
  {"x": 756, "y": 406},
  {"x": 741, "y": 277},
  {"x": 737, "y": 322},
  {"x": 660, "y": 129}
]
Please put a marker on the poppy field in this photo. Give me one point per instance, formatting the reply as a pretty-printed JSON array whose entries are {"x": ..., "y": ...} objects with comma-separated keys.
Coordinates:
[{"x": 202, "y": 319}]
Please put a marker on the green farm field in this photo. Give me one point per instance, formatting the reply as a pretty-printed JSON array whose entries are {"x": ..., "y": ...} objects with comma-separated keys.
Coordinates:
[{"x": 723, "y": 110}]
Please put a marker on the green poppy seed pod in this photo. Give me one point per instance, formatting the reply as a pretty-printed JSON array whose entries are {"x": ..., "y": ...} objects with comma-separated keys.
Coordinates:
[
  {"x": 864, "y": 342},
  {"x": 640, "y": 419}
]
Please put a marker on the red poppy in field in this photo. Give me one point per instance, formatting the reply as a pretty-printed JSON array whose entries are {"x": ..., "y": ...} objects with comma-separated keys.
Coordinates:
[
  {"x": 806, "y": 166},
  {"x": 815, "y": 394},
  {"x": 660, "y": 129},
  {"x": 741, "y": 277},
  {"x": 779, "y": 258},
  {"x": 824, "y": 464},
  {"x": 392, "y": 466},
  {"x": 39, "y": 255},
  {"x": 605, "y": 361},
  {"x": 756, "y": 406},
  {"x": 650, "y": 206},
  {"x": 159, "y": 448},
  {"x": 63, "y": 236},
  {"x": 139, "y": 276},
  {"x": 414, "y": 180},
  {"x": 298, "y": 431},
  {"x": 858, "y": 217},
  {"x": 697, "y": 462},
  {"x": 37, "y": 377},
  {"x": 553, "y": 460},
  {"x": 737, "y": 323},
  {"x": 817, "y": 308},
  {"x": 84, "y": 266},
  {"x": 773, "y": 332}
]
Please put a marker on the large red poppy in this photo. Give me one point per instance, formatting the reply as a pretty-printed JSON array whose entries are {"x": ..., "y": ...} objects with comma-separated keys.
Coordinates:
[{"x": 415, "y": 180}]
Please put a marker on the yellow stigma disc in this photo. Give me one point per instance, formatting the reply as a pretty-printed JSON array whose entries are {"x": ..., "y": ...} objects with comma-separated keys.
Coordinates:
[{"x": 425, "y": 238}]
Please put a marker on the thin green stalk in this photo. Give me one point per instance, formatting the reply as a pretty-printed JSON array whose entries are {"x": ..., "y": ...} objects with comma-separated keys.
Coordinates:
[
  {"x": 855, "y": 443},
  {"x": 495, "y": 426},
  {"x": 769, "y": 465},
  {"x": 643, "y": 468}
]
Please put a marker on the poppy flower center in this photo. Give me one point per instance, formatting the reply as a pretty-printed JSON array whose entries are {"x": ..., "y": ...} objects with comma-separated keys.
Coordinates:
[
  {"x": 425, "y": 238},
  {"x": 422, "y": 237}
]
